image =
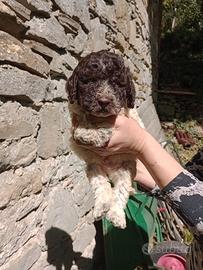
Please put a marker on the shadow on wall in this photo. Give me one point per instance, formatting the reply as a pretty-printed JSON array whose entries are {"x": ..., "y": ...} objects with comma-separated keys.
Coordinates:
[
  {"x": 61, "y": 255},
  {"x": 60, "y": 250}
]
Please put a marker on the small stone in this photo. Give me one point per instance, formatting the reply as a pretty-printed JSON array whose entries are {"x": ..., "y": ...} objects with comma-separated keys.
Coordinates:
[
  {"x": 19, "y": 172},
  {"x": 40, "y": 48},
  {"x": 68, "y": 23}
]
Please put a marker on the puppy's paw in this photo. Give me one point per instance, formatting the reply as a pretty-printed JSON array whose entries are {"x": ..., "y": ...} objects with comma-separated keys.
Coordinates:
[
  {"x": 117, "y": 216},
  {"x": 101, "y": 207},
  {"x": 100, "y": 210},
  {"x": 132, "y": 191}
]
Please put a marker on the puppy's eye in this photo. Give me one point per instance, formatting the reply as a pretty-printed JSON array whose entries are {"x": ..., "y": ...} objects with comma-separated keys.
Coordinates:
[
  {"x": 94, "y": 66},
  {"x": 84, "y": 80}
]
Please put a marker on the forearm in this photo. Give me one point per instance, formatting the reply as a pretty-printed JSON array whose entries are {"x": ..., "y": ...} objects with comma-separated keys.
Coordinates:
[
  {"x": 161, "y": 165},
  {"x": 143, "y": 177},
  {"x": 185, "y": 195}
]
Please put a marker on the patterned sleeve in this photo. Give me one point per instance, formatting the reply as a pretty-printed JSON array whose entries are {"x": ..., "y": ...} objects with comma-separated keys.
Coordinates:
[{"x": 185, "y": 195}]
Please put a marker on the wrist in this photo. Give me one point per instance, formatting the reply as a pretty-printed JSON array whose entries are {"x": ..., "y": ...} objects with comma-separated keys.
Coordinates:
[
  {"x": 140, "y": 146},
  {"x": 161, "y": 165}
]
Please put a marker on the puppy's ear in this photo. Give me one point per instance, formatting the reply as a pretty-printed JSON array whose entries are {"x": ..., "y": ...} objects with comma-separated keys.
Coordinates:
[
  {"x": 130, "y": 90},
  {"x": 71, "y": 88}
]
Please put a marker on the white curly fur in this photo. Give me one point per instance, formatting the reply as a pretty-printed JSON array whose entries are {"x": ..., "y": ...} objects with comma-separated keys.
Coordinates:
[{"x": 111, "y": 184}]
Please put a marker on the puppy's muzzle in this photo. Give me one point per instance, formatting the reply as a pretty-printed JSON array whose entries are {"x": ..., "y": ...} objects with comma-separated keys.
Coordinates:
[{"x": 105, "y": 102}]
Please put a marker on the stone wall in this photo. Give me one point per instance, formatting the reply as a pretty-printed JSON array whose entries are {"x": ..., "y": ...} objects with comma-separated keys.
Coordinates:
[{"x": 45, "y": 198}]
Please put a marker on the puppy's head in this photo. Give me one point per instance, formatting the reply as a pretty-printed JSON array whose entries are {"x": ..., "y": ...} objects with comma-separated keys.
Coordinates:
[{"x": 101, "y": 84}]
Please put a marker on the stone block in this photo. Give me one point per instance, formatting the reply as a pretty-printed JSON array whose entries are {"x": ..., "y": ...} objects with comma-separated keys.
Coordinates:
[
  {"x": 48, "y": 30},
  {"x": 133, "y": 33},
  {"x": 13, "y": 51},
  {"x": 37, "y": 5},
  {"x": 81, "y": 189},
  {"x": 16, "y": 154},
  {"x": 16, "y": 121},
  {"x": 49, "y": 168},
  {"x": 68, "y": 23},
  {"x": 122, "y": 43},
  {"x": 40, "y": 48},
  {"x": 142, "y": 13},
  {"x": 4, "y": 9},
  {"x": 10, "y": 22},
  {"x": 59, "y": 91},
  {"x": 54, "y": 133},
  {"x": 84, "y": 237},
  {"x": 96, "y": 38},
  {"x": 14, "y": 235},
  {"x": 107, "y": 12},
  {"x": 19, "y": 184},
  {"x": 42, "y": 263},
  {"x": 61, "y": 212},
  {"x": 25, "y": 259},
  {"x": 150, "y": 118},
  {"x": 70, "y": 167},
  {"x": 77, "y": 9},
  {"x": 21, "y": 10},
  {"x": 63, "y": 64},
  {"x": 87, "y": 204},
  {"x": 22, "y": 85},
  {"x": 122, "y": 15},
  {"x": 79, "y": 42},
  {"x": 27, "y": 205}
]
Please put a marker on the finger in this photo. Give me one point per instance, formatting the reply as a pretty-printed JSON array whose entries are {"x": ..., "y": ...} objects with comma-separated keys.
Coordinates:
[
  {"x": 119, "y": 121},
  {"x": 113, "y": 142}
]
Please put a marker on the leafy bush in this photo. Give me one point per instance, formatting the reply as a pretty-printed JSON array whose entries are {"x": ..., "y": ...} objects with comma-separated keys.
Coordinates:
[
  {"x": 182, "y": 14},
  {"x": 181, "y": 50}
]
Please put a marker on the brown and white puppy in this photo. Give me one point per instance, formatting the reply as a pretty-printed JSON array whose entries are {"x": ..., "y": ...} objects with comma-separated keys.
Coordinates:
[{"x": 99, "y": 88}]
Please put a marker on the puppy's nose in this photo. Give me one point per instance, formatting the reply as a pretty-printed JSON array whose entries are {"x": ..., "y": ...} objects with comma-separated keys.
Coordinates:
[{"x": 103, "y": 102}]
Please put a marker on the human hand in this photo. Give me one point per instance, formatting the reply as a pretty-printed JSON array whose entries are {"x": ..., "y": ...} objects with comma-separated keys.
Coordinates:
[{"x": 127, "y": 137}]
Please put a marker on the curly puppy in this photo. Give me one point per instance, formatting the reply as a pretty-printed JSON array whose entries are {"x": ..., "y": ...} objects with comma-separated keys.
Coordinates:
[{"x": 99, "y": 88}]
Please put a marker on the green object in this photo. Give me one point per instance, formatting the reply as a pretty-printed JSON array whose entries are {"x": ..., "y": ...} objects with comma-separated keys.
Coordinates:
[{"x": 127, "y": 249}]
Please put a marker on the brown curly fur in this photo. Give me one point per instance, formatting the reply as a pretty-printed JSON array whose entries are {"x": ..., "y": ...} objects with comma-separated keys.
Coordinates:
[
  {"x": 101, "y": 86},
  {"x": 95, "y": 70}
]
